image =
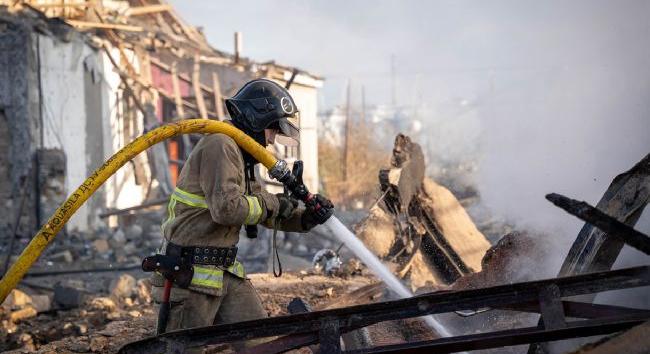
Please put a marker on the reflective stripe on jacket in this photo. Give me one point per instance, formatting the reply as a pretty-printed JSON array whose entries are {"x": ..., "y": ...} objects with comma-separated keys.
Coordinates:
[
  {"x": 198, "y": 201},
  {"x": 209, "y": 276},
  {"x": 212, "y": 277}
]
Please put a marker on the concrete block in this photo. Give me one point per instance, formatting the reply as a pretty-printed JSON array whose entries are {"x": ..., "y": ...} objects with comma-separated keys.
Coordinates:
[
  {"x": 16, "y": 300},
  {"x": 23, "y": 314},
  {"x": 123, "y": 287},
  {"x": 101, "y": 246},
  {"x": 63, "y": 256},
  {"x": 42, "y": 303},
  {"x": 68, "y": 297}
]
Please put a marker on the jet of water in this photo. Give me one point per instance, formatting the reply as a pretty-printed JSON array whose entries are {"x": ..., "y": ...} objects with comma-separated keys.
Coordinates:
[{"x": 374, "y": 264}]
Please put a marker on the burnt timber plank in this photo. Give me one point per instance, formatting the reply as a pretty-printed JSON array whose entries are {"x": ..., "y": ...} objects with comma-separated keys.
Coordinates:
[
  {"x": 624, "y": 200},
  {"x": 604, "y": 222},
  {"x": 594, "y": 250}
]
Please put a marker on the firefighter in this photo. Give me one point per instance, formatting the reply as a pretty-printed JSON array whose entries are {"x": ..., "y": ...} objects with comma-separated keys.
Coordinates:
[{"x": 216, "y": 194}]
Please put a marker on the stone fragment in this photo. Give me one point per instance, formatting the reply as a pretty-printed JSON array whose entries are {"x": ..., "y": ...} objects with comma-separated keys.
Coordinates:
[
  {"x": 113, "y": 329},
  {"x": 68, "y": 297},
  {"x": 63, "y": 256},
  {"x": 79, "y": 345},
  {"x": 103, "y": 304},
  {"x": 16, "y": 300},
  {"x": 27, "y": 342},
  {"x": 119, "y": 236},
  {"x": 81, "y": 328},
  {"x": 42, "y": 303},
  {"x": 9, "y": 326},
  {"x": 130, "y": 248},
  {"x": 328, "y": 292},
  {"x": 122, "y": 287},
  {"x": 144, "y": 290},
  {"x": 97, "y": 344},
  {"x": 134, "y": 232},
  {"x": 22, "y": 314},
  {"x": 101, "y": 246}
]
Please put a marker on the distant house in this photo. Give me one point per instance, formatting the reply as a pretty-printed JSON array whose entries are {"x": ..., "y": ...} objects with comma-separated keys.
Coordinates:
[{"x": 80, "y": 80}]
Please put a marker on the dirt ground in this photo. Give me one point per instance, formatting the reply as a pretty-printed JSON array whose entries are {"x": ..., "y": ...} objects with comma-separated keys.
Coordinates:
[{"x": 103, "y": 324}]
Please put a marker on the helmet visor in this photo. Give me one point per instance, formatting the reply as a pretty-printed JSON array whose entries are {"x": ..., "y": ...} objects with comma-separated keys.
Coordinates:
[{"x": 289, "y": 134}]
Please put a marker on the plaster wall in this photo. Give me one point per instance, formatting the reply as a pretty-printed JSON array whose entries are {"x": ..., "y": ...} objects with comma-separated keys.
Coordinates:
[
  {"x": 63, "y": 110},
  {"x": 122, "y": 190},
  {"x": 83, "y": 111},
  {"x": 307, "y": 102}
]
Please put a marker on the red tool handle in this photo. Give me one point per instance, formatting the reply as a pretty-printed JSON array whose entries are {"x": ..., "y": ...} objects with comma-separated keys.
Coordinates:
[{"x": 165, "y": 307}]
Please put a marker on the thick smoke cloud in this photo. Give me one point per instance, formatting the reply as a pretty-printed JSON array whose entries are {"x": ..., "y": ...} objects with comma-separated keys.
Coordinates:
[{"x": 549, "y": 96}]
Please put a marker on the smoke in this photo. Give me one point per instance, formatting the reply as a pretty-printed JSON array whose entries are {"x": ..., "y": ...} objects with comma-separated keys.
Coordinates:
[
  {"x": 569, "y": 126},
  {"x": 546, "y": 96},
  {"x": 543, "y": 97}
]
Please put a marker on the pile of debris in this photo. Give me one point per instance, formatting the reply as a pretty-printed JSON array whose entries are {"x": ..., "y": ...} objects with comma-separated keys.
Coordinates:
[
  {"x": 46, "y": 322},
  {"x": 418, "y": 226},
  {"x": 116, "y": 247},
  {"x": 119, "y": 245},
  {"x": 33, "y": 317}
]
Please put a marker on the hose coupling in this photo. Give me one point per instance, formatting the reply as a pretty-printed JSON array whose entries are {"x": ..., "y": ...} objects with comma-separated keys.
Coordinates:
[{"x": 280, "y": 171}]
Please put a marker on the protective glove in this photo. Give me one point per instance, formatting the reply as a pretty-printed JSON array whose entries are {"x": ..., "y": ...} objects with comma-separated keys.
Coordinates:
[
  {"x": 287, "y": 205},
  {"x": 311, "y": 218}
]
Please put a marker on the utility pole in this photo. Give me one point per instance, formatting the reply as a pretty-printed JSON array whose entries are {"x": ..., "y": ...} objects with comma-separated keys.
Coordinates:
[
  {"x": 393, "y": 81},
  {"x": 363, "y": 106},
  {"x": 346, "y": 147}
]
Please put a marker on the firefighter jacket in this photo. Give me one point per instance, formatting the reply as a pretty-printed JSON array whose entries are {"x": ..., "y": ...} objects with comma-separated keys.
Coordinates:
[{"x": 210, "y": 204}]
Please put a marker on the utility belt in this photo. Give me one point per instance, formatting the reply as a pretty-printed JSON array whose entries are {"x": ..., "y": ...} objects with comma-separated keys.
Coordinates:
[
  {"x": 195, "y": 266},
  {"x": 204, "y": 255}
]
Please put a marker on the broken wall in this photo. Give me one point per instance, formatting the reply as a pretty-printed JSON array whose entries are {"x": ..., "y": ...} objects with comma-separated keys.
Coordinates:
[
  {"x": 57, "y": 92},
  {"x": 122, "y": 123},
  {"x": 307, "y": 102},
  {"x": 87, "y": 114},
  {"x": 64, "y": 110},
  {"x": 19, "y": 116}
]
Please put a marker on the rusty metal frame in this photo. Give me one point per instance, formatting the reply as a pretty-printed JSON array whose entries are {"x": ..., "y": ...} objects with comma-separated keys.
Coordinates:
[
  {"x": 584, "y": 328},
  {"x": 327, "y": 326}
]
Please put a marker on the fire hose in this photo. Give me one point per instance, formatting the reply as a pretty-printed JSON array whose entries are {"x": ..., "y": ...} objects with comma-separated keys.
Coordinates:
[{"x": 278, "y": 169}]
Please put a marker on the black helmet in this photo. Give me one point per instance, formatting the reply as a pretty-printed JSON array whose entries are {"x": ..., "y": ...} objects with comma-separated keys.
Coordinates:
[{"x": 262, "y": 104}]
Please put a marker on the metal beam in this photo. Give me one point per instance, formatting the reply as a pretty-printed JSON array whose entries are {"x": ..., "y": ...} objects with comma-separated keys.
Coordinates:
[
  {"x": 354, "y": 317},
  {"x": 574, "y": 309},
  {"x": 150, "y": 204},
  {"x": 585, "y": 328},
  {"x": 550, "y": 305},
  {"x": 48, "y": 273}
]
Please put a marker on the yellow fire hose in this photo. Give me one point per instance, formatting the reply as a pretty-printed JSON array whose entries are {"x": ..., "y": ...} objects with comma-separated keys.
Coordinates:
[{"x": 47, "y": 233}]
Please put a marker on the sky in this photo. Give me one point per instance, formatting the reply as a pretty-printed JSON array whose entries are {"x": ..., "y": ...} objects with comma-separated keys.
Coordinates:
[{"x": 555, "y": 93}]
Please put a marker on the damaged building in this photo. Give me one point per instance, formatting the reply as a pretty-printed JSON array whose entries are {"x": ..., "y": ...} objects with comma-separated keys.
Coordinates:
[{"x": 75, "y": 89}]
